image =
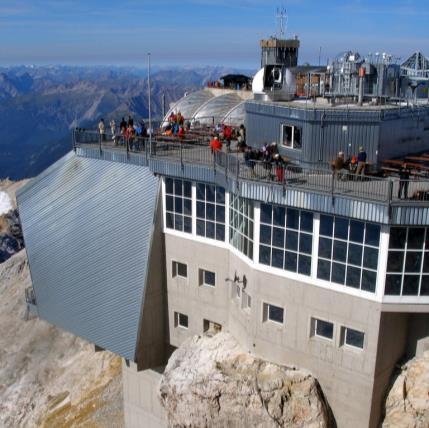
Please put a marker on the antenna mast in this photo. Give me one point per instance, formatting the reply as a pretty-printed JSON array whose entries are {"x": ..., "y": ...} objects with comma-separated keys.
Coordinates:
[{"x": 282, "y": 20}]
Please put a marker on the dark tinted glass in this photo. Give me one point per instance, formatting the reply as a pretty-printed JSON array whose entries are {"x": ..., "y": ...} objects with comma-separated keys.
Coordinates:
[
  {"x": 210, "y": 211},
  {"x": 325, "y": 329},
  {"x": 354, "y": 338},
  {"x": 324, "y": 270},
  {"x": 326, "y": 225},
  {"x": 291, "y": 240},
  {"x": 426, "y": 262},
  {"x": 220, "y": 232},
  {"x": 395, "y": 261},
  {"x": 220, "y": 195},
  {"x": 187, "y": 206},
  {"x": 355, "y": 254},
  {"x": 413, "y": 261},
  {"x": 169, "y": 185},
  {"x": 338, "y": 273},
  {"x": 341, "y": 228},
  {"x": 210, "y": 193},
  {"x": 178, "y": 205},
  {"x": 187, "y": 189},
  {"x": 393, "y": 285},
  {"x": 306, "y": 221},
  {"x": 265, "y": 234},
  {"x": 201, "y": 191},
  {"x": 278, "y": 237},
  {"x": 210, "y": 230},
  {"x": 416, "y": 236},
  {"x": 369, "y": 279},
  {"x": 292, "y": 218},
  {"x": 201, "y": 210},
  {"x": 201, "y": 228},
  {"x": 178, "y": 222},
  {"x": 182, "y": 269},
  {"x": 356, "y": 231},
  {"x": 305, "y": 243},
  {"x": 372, "y": 235},
  {"x": 169, "y": 220},
  {"x": 398, "y": 237},
  {"x": 275, "y": 313},
  {"x": 353, "y": 277},
  {"x": 277, "y": 258},
  {"x": 424, "y": 288},
  {"x": 178, "y": 187},
  {"x": 187, "y": 224},
  {"x": 266, "y": 213},
  {"x": 340, "y": 251},
  {"x": 278, "y": 216},
  {"x": 169, "y": 203},
  {"x": 209, "y": 278},
  {"x": 370, "y": 257},
  {"x": 325, "y": 248},
  {"x": 264, "y": 255},
  {"x": 411, "y": 285},
  {"x": 220, "y": 214},
  {"x": 183, "y": 320},
  {"x": 304, "y": 265},
  {"x": 290, "y": 261}
]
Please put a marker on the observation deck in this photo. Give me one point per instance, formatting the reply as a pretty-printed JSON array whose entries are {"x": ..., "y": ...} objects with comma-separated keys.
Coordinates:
[{"x": 365, "y": 197}]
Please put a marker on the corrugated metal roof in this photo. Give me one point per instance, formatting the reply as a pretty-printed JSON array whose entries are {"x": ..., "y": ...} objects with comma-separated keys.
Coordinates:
[{"x": 80, "y": 219}]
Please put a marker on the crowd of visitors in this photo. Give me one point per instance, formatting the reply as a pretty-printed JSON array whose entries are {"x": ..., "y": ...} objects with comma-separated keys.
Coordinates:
[{"x": 355, "y": 164}]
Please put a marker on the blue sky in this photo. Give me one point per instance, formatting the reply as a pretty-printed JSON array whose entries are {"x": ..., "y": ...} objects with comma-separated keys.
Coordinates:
[{"x": 200, "y": 32}]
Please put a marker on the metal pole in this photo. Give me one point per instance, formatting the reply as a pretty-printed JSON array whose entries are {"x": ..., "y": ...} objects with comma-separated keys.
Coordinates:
[{"x": 149, "y": 100}]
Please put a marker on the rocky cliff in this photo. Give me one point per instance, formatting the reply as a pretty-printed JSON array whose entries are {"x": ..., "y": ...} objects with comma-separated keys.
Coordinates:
[
  {"x": 407, "y": 404},
  {"x": 48, "y": 378},
  {"x": 211, "y": 382}
]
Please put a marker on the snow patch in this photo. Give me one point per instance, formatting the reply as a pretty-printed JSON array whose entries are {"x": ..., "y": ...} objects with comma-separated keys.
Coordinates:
[{"x": 5, "y": 203}]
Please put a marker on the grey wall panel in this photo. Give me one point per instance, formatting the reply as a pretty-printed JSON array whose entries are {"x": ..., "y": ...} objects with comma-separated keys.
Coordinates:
[
  {"x": 87, "y": 225},
  {"x": 410, "y": 215}
]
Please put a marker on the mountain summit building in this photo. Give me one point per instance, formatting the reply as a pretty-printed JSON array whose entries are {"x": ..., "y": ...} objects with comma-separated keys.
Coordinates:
[{"x": 137, "y": 247}]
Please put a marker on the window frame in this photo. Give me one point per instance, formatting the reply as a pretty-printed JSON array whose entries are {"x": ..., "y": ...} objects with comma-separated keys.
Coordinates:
[
  {"x": 186, "y": 218},
  {"x": 313, "y": 329},
  {"x": 266, "y": 313},
  {"x": 201, "y": 276},
  {"x": 177, "y": 318},
  {"x": 343, "y": 340},
  {"x": 282, "y": 135},
  {"x": 175, "y": 269}
]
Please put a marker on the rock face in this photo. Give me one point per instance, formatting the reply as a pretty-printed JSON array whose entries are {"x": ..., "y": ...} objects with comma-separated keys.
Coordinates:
[
  {"x": 211, "y": 382},
  {"x": 407, "y": 404}
]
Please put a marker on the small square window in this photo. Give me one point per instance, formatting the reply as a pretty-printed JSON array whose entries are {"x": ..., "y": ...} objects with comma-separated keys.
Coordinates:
[
  {"x": 320, "y": 328},
  {"x": 179, "y": 269},
  {"x": 351, "y": 337},
  {"x": 181, "y": 320},
  {"x": 207, "y": 277},
  {"x": 291, "y": 137},
  {"x": 273, "y": 313}
]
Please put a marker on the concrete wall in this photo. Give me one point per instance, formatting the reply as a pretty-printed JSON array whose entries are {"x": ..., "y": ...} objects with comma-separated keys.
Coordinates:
[
  {"x": 418, "y": 335},
  {"x": 345, "y": 374},
  {"x": 142, "y": 407}
]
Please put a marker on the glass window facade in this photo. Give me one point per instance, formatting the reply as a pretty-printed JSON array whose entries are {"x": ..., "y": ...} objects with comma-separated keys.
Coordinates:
[
  {"x": 286, "y": 239},
  {"x": 178, "y": 205},
  {"x": 241, "y": 220},
  {"x": 210, "y": 211},
  {"x": 348, "y": 252},
  {"x": 407, "y": 272}
]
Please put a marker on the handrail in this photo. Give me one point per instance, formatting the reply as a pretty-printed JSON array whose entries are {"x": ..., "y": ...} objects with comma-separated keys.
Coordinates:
[{"x": 234, "y": 165}]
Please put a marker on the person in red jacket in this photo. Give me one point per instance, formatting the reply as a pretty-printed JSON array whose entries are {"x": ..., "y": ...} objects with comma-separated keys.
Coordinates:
[
  {"x": 227, "y": 132},
  {"x": 215, "y": 144},
  {"x": 181, "y": 133}
]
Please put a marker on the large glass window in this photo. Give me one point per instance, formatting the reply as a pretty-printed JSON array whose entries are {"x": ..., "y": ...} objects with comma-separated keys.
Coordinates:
[
  {"x": 408, "y": 262},
  {"x": 286, "y": 238},
  {"x": 178, "y": 205},
  {"x": 348, "y": 252},
  {"x": 241, "y": 218},
  {"x": 211, "y": 211}
]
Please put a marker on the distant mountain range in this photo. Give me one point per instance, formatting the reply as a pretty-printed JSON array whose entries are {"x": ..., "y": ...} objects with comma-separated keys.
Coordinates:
[{"x": 40, "y": 105}]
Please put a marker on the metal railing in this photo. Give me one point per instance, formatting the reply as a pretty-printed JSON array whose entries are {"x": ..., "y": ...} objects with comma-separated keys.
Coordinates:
[{"x": 198, "y": 152}]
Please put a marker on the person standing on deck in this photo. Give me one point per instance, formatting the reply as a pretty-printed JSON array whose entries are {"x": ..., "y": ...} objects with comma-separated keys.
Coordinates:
[
  {"x": 113, "y": 128},
  {"x": 215, "y": 144},
  {"x": 360, "y": 170},
  {"x": 404, "y": 176},
  {"x": 101, "y": 128}
]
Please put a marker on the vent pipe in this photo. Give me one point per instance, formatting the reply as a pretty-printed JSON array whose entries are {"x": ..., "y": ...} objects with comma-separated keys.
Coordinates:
[{"x": 361, "y": 82}]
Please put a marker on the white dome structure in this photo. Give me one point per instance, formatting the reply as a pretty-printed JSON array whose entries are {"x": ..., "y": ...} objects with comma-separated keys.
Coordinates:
[{"x": 274, "y": 82}]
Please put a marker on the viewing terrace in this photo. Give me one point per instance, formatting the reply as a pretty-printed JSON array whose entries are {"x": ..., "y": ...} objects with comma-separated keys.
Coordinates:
[{"x": 178, "y": 157}]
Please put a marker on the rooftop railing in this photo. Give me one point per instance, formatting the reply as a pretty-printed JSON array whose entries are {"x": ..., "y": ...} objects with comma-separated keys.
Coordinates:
[{"x": 195, "y": 150}]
